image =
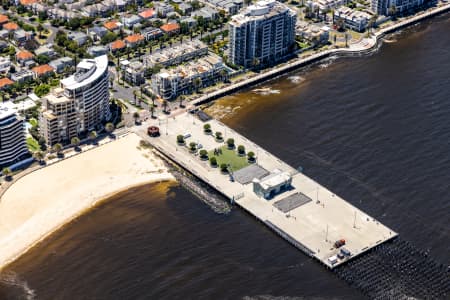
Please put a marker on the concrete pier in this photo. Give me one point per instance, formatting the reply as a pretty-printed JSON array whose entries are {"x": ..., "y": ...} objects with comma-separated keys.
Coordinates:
[{"x": 308, "y": 215}]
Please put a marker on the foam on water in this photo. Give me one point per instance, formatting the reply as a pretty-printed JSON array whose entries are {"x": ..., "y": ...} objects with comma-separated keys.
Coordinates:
[{"x": 19, "y": 286}]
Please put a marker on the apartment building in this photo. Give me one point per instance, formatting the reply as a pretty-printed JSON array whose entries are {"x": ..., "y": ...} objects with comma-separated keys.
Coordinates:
[
  {"x": 381, "y": 7},
  {"x": 87, "y": 92},
  {"x": 353, "y": 19},
  {"x": 58, "y": 118},
  {"x": 262, "y": 33},
  {"x": 177, "y": 54},
  {"x": 12, "y": 135},
  {"x": 170, "y": 83}
]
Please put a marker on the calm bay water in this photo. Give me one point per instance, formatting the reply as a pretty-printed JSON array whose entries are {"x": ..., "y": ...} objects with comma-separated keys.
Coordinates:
[{"x": 374, "y": 130}]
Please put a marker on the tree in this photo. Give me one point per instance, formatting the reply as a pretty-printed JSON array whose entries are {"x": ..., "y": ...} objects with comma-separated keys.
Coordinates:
[
  {"x": 219, "y": 135},
  {"x": 180, "y": 139},
  {"x": 42, "y": 89},
  {"x": 203, "y": 153},
  {"x": 197, "y": 82},
  {"x": 223, "y": 74},
  {"x": 7, "y": 173},
  {"x": 251, "y": 156},
  {"x": 40, "y": 28},
  {"x": 241, "y": 149},
  {"x": 193, "y": 146},
  {"x": 92, "y": 135},
  {"x": 152, "y": 110},
  {"x": 181, "y": 99},
  {"x": 248, "y": 2},
  {"x": 207, "y": 128},
  {"x": 230, "y": 143},
  {"x": 255, "y": 63},
  {"x": 75, "y": 141},
  {"x": 39, "y": 156},
  {"x": 109, "y": 127},
  {"x": 57, "y": 148},
  {"x": 165, "y": 104},
  {"x": 213, "y": 161},
  {"x": 393, "y": 11},
  {"x": 136, "y": 117},
  {"x": 224, "y": 168}
]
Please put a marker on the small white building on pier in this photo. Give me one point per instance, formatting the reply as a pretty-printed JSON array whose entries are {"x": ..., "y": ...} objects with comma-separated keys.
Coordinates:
[{"x": 272, "y": 184}]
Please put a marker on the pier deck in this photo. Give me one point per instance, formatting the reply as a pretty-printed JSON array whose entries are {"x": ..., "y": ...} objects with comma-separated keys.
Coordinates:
[{"x": 312, "y": 225}]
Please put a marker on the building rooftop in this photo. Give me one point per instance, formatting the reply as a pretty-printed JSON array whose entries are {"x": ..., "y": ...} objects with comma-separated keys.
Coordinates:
[
  {"x": 6, "y": 109},
  {"x": 148, "y": 13},
  {"x": 262, "y": 9},
  {"x": 42, "y": 69},
  {"x": 119, "y": 44},
  {"x": 273, "y": 179},
  {"x": 24, "y": 55},
  {"x": 134, "y": 38},
  {"x": 10, "y": 26},
  {"x": 57, "y": 97},
  {"x": 88, "y": 70},
  {"x": 169, "y": 27},
  {"x": 3, "y": 18},
  {"x": 5, "y": 82},
  {"x": 111, "y": 25}
]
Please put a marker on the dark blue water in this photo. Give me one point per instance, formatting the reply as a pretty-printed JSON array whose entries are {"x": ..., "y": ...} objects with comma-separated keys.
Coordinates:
[{"x": 374, "y": 130}]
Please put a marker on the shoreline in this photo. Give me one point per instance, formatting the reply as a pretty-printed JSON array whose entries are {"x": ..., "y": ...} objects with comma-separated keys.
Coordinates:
[
  {"x": 48, "y": 213},
  {"x": 364, "y": 47}
]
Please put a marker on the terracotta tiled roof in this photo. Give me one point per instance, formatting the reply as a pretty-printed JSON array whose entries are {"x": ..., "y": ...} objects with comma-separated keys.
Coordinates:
[
  {"x": 3, "y": 19},
  {"x": 169, "y": 27},
  {"x": 111, "y": 25},
  {"x": 119, "y": 44},
  {"x": 10, "y": 26},
  {"x": 5, "y": 82},
  {"x": 27, "y": 2},
  {"x": 135, "y": 38},
  {"x": 42, "y": 69},
  {"x": 148, "y": 13},
  {"x": 24, "y": 55}
]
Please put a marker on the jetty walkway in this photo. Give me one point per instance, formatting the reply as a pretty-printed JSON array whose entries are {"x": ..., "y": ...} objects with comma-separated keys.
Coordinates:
[{"x": 308, "y": 215}]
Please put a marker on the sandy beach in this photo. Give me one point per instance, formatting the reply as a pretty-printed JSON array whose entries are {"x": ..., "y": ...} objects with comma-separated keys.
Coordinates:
[{"x": 43, "y": 201}]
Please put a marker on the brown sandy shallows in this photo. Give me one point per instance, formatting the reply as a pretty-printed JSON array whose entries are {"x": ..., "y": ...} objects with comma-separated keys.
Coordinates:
[{"x": 43, "y": 201}]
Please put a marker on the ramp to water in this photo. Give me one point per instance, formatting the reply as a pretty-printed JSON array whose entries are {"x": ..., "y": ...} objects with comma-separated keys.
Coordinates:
[{"x": 397, "y": 270}]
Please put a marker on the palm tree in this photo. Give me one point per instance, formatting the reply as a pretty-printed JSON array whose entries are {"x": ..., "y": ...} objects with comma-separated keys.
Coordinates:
[
  {"x": 255, "y": 62},
  {"x": 75, "y": 141},
  {"x": 165, "y": 104},
  {"x": 393, "y": 11},
  {"x": 7, "y": 173},
  {"x": 152, "y": 111},
  {"x": 197, "y": 82},
  {"x": 223, "y": 74},
  {"x": 57, "y": 148},
  {"x": 136, "y": 116},
  {"x": 181, "y": 101},
  {"x": 39, "y": 156},
  {"x": 109, "y": 127},
  {"x": 346, "y": 39},
  {"x": 92, "y": 135}
]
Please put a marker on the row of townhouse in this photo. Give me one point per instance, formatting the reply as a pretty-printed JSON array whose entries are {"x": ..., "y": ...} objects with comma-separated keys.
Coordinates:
[
  {"x": 176, "y": 55},
  {"x": 183, "y": 79}
]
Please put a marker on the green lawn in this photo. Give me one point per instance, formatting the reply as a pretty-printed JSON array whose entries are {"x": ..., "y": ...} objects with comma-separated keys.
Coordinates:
[
  {"x": 32, "y": 144},
  {"x": 230, "y": 157}
]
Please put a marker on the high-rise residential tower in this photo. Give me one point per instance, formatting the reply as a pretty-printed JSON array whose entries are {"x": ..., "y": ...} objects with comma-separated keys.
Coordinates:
[
  {"x": 12, "y": 135},
  {"x": 80, "y": 105},
  {"x": 262, "y": 33}
]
